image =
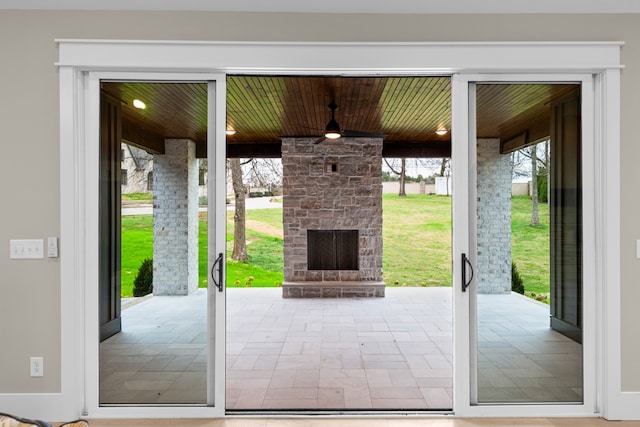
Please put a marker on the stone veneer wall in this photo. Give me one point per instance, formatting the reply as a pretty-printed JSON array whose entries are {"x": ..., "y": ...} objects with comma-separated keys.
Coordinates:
[
  {"x": 317, "y": 198},
  {"x": 175, "y": 219},
  {"x": 494, "y": 218}
]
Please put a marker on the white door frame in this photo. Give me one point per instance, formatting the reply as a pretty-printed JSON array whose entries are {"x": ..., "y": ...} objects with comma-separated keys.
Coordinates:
[
  {"x": 465, "y": 206},
  {"x": 88, "y": 188},
  {"x": 79, "y": 58},
  {"x": 217, "y": 192}
]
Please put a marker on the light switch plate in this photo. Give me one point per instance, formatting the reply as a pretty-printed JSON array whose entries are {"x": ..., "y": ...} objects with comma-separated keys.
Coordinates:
[
  {"x": 26, "y": 249},
  {"x": 52, "y": 247}
]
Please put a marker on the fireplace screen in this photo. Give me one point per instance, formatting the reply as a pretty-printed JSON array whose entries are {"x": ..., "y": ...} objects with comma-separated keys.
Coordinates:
[{"x": 332, "y": 249}]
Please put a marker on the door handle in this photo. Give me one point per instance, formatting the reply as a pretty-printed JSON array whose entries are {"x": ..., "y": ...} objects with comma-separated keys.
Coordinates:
[
  {"x": 465, "y": 262},
  {"x": 219, "y": 262}
]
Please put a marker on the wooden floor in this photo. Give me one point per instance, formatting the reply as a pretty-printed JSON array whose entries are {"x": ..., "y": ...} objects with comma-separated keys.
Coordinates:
[{"x": 378, "y": 422}]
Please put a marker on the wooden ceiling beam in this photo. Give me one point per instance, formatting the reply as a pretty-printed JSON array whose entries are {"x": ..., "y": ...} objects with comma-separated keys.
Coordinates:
[
  {"x": 259, "y": 150},
  {"x": 394, "y": 149},
  {"x": 417, "y": 150},
  {"x": 527, "y": 136},
  {"x": 135, "y": 135}
]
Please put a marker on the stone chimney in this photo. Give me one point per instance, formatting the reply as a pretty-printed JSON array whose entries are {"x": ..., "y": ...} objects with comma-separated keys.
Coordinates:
[{"x": 332, "y": 200}]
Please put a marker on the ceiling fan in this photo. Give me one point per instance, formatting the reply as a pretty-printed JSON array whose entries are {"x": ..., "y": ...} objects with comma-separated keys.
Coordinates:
[{"x": 333, "y": 131}]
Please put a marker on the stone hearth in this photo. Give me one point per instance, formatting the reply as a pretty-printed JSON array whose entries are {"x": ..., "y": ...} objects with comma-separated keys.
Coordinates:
[{"x": 332, "y": 187}]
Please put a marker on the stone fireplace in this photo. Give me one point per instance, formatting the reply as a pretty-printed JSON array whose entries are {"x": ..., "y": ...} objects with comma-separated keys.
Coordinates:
[{"x": 332, "y": 216}]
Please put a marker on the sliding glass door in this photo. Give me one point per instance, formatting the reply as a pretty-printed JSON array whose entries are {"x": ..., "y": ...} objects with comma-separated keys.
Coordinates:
[
  {"x": 163, "y": 344},
  {"x": 523, "y": 268}
]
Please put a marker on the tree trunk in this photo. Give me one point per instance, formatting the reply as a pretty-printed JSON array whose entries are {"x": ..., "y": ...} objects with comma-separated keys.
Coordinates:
[
  {"x": 403, "y": 172},
  {"x": 534, "y": 187},
  {"x": 239, "y": 234},
  {"x": 443, "y": 166},
  {"x": 444, "y": 173},
  {"x": 547, "y": 159}
]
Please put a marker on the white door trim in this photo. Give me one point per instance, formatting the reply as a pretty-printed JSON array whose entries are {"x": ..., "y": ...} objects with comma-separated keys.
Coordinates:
[{"x": 181, "y": 58}]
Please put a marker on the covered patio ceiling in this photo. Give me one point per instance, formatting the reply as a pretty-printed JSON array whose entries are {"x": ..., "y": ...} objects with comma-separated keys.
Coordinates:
[{"x": 264, "y": 109}]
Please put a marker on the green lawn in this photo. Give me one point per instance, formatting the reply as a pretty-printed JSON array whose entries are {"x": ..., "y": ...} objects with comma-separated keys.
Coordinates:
[
  {"x": 264, "y": 268},
  {"x": 530, "y": 245},
  {"x": 145, "y": 197},
  {"x": 137, "y": 244},
  {"x": 416, "y": 239}
]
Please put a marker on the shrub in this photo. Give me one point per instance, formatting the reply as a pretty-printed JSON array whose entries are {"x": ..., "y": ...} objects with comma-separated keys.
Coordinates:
[
  {"x": 203, "y": 200},
  {"x": 516, "y": 281},
  {"x": 256, "y": 194},
  {"x": 542, "y": 188},
  {"x": 143, "y": 283},
  {"x": 268, "y": 194}
]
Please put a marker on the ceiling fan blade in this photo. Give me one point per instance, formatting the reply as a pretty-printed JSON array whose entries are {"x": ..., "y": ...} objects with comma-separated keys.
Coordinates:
[
  {"x": 319, "y": 140},
  {"x": 360, "y": 134},
  {"x": 310, "y": 128}
]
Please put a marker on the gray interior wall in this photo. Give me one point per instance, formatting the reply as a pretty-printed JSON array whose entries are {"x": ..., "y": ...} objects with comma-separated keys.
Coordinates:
[{"x": 29, "y": 164}]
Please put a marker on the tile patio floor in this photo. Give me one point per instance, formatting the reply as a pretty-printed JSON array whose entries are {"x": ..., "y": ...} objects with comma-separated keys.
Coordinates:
[{"x": 379, "y": 353}]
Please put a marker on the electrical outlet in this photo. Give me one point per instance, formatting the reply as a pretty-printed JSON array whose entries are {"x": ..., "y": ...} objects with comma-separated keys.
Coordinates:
[{"x": 37, "y": 366}]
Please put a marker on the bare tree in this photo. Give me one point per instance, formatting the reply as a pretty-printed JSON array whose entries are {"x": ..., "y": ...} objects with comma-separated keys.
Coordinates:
[
  {"x": 547, "y": 166},
  {"x": 535, "y": 221},
  {"x": 520, "y": 163},
  {"x": 402, "y": 173},
  {"x": 239, "y": 220},
  {"x": 445, "y": 168},
  {"x": 538, "y": 165},
  {"x": 265, "y": 173}
]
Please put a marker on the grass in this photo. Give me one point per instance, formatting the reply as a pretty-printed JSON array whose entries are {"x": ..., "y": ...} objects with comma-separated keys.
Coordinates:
[
  {"x": 137, "y": 244},
  {"x": 137, "y": 197},
  {"x": 264, "y": 267},
  {"x": 416, "y": 239},
  {"x": 530, "y": 245}
]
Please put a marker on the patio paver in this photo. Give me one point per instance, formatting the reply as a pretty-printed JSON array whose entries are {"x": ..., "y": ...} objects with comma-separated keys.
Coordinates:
[{"x": 370, "y": 353}]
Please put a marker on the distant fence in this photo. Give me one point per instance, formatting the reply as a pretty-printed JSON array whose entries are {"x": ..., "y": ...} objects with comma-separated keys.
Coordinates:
[
  {"x": 520, "y": 189},
  {"x": 392, "y": 187},
  {"x": 517, "y": 188}
]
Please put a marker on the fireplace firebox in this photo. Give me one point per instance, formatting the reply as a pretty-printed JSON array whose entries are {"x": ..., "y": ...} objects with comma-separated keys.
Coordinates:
[{"x": 332, "y": 249}]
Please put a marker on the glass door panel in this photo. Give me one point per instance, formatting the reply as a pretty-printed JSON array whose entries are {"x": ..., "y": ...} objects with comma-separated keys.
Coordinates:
[
  {"x": 163, "y": 353},
  {"x": 528, "y": 244}
]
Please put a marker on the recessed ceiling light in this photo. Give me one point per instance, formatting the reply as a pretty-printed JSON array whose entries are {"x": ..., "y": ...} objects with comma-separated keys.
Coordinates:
[
  {"x": 230, "y": 132},
  {"x": 139, "y": 104},
  {"x": 442, "y": 132}
]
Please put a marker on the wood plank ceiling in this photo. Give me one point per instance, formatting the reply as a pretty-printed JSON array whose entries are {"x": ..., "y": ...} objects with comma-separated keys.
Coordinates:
[{"x": 264, "y": 109}]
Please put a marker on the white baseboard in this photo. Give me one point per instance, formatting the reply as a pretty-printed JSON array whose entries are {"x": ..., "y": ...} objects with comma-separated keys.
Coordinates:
[{"x": 49, "y": 407}]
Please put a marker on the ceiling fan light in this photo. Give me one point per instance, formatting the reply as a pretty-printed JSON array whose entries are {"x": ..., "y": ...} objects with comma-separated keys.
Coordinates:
[
  {"x": 139, "y": 104},
  {"x": 332, "y": 131}
]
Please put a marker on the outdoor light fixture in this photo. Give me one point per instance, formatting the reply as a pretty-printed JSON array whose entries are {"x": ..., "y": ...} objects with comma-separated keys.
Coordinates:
[
  {"x": 441, "y": 132},
  {"x": 332, "y": 131},
  {"x": 139, "y": 104}
]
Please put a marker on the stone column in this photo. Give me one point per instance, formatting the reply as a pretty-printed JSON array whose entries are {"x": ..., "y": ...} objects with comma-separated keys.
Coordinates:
[
  {"x": 175, "y": 219},
  {"x": 494, "y": 218}
]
